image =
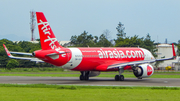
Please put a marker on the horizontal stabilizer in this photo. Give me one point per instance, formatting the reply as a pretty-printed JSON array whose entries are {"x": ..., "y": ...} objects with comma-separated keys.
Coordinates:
[
  {"x": 21, "y": 53},
  {"x": 23, "y": 58},
  {"x": 173, "y": 57}
]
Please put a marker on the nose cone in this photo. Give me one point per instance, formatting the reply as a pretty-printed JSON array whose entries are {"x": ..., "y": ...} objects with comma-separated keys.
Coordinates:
[{"x": 148, "y": 54}]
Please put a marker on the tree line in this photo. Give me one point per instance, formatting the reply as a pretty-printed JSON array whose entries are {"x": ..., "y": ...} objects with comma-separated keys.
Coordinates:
[
  {"x": 122, "y": 40},
  {"x": 82, "y": 40}
]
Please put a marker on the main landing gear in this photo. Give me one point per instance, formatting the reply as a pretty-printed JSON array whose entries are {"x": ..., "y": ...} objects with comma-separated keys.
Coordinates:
[
  {"x": 120, "y": 77},
  {"x": 84, "y": 75}
]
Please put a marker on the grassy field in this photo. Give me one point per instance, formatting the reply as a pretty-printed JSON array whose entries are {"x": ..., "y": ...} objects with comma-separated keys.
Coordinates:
[
  {"x": 42, "y": 92},
  {"x": 59, "y": 72}
]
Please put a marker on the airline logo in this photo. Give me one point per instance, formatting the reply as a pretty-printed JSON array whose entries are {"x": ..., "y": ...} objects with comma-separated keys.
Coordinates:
[
  {"x": 149, "y": 70},
  {"x": 47, "y": 37},
  {"x": 120, "y": 53},
  {"x": 46, "y": 30}
]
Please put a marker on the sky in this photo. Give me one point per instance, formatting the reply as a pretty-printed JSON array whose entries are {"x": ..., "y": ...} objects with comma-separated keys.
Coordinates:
[{"x": 159, "y": 18}]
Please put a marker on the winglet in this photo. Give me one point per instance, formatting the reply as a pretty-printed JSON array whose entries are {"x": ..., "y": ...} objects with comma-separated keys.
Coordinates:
[
  {"x": 7, "y": 51},
  {"x": 174, "y": 53}
]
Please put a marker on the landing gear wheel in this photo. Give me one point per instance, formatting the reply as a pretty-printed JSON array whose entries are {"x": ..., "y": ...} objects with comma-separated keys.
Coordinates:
[
  {"x": 117, "y": 78},
  {"x": 81, "y": 77},
  {"x": 86, "y": 77},
  {"x": 121, "y": 78}
]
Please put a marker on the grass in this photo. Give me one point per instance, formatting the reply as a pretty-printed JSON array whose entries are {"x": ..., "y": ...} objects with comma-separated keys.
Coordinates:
[
  {"x": 42, "y": 92},
  {"x": 44, "y": 69},
  {"x": 59, "y": 72}
]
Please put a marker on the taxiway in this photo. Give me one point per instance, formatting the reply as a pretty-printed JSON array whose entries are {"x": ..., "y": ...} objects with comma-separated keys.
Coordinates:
[{"x": 92, "y": 81}]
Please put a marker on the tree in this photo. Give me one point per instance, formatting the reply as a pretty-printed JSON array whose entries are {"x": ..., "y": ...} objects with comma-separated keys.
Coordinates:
[
  {"x": 84, "y": 40},
  {"x": 106, "y": 33},
  {"x": 149, "y": 44},
  {"x": 12, "y": 64},
  {"x": 120, "y": 29},
  {"x": 129, "y": 42},
  {"x": 95, "y": 39},
  {"x": 28, "y": 46},
  {"x": 103, "y": 41},
  {"x": 134, "y": 41},
  {"x": 121, "y": 35},
  {"x": 73, "y": 40}
]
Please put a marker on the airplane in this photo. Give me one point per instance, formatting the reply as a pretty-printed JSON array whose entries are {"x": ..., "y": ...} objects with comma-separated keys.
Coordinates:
[{"x": 90, "y": 61}]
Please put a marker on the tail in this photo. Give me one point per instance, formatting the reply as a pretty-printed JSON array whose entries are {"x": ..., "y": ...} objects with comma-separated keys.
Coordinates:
[
  {"x": 47, "y": 37},
  {"x": 174, "y": 53}
]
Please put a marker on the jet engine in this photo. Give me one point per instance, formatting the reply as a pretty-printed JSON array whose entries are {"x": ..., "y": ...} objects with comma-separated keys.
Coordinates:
[{"x": 143, "y": 70}]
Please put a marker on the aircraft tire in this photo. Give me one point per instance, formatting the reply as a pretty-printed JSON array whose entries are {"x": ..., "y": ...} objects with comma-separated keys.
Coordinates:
[
  {"x": 117, "y": 78},
  {"x": 81, "y": 77},
  {"x": 121, "y": 78},
  {"x": 86, "y": 77}
]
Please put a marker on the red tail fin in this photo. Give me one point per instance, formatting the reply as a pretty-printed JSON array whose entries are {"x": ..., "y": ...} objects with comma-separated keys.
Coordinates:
[
  {"x": 47, "y": 37},
  {"x": 174, "y": 53}
]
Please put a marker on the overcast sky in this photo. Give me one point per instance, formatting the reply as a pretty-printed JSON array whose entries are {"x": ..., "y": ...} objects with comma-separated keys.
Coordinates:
[{"x": 159, "y": 18}]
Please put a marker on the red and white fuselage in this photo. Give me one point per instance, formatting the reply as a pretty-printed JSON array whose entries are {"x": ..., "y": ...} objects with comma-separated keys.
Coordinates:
[{"x": 93, "y": 59}]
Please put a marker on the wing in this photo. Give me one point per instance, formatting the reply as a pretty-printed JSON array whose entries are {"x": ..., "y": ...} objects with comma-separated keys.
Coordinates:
[
  {"x": 136, "y": 63},
  {"x": 24, "y": 58},
  {"x": 113, "y": 66}
]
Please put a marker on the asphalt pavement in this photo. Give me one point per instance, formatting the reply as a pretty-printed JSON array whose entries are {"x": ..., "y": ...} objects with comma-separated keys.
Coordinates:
[{"x": 99, "y": 81}]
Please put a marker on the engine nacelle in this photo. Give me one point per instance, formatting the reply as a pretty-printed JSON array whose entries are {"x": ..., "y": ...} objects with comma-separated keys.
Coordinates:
[
  {"x": 94, "y": 73},
  {"x": 144, "y": 70}
]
